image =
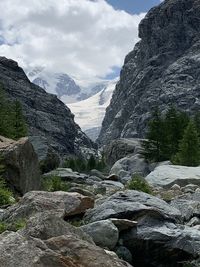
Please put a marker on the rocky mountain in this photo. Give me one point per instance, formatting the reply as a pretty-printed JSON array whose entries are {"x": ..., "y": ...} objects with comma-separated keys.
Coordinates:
[
  {"x": 163, "y": 69},
  {"x": 47, "y": 117},
  {"x": 60, "y": 84},
  {"x": 90, "y": 112}
]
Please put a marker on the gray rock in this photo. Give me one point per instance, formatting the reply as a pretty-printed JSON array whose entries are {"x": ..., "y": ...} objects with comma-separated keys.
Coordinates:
[
  {"x": 68, "y": 175},
  {"x": 163, "y": 69},
  {"x": 104, "y": 233},
  {"x": 121, "y": 148},
  {"x": 168, "y": 175},
  {"x": 194, "y": 221},
  {"x": 173, "y": 243},
  {"x": 97, "y": 174},
  {"x": 45, "y": 114},
  {"x": 132, "y": 205},
  {"x": 21, "y": 165},
  {"x": 51, "y": 242},
  {"x": 63, "y": 204},
  {"x": 188, "y": 204},
  {"x": 124, "y": 253},
  {"x": 123, "y": 224},
  {"x": 126, "y": 167}
]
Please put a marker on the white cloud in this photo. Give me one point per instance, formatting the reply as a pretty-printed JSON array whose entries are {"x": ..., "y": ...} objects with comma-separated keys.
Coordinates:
[{"x": 80, "y": 37}]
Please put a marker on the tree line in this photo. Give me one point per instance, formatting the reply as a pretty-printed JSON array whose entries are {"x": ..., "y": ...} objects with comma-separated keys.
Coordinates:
[
  {"x": 12, "y": 122},
  {"x": 173, "y": 136}
]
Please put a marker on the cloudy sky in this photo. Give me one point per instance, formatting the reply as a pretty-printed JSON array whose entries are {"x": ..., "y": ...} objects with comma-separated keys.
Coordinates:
[{"x": 87, "y": 39}]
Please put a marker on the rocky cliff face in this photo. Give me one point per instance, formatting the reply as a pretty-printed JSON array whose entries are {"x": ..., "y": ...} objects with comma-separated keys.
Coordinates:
[
  {"x": 46, "y": 116},
  {"x": 163, "y": 69}
]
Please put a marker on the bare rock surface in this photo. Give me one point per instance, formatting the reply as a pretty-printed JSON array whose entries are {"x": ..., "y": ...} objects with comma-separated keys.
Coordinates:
[{"x": 21, "y": 164}]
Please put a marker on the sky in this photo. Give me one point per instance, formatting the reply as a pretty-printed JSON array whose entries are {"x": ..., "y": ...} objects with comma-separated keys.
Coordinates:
[{"x": 87, "y": 39}]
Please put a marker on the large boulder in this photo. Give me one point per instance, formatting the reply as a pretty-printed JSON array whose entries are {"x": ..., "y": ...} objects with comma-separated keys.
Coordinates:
[
  {"x": 188, "y": 204},
  {"x": 104, "y": 233},
  {"x": 162, "y": 244},
  {"x": 47, "y": 157},
  {"x": 126, "y": 167},
  {"x": 167, "y": 175},
  {"x": 21, "y": 165},
  {"x": 132, "y": 205},
  {"x": 120, "y": 148},
  {"x": 63, "y": 204},
  {"x": 37, "y": 245}
]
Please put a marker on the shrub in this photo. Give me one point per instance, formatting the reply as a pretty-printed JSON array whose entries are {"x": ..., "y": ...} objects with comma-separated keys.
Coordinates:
[
  {"x": 14, "y": 226},
  {"x": 6, "y": 196},
  {"x": 138, "y": 183},
  {"x": 54, "y": 183}
]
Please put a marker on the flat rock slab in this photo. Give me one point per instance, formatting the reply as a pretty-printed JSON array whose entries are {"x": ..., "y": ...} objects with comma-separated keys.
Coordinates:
[
  {"x": 168, "y": 175},
  {"x": 131, "y": 204}
]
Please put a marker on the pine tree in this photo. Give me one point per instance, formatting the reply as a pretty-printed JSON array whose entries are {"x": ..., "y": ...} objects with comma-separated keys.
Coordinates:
[
  {"x": 20, "y": 129},
  {"x": 189, "y": 148},
  {"x": 175, "y": 123},
  {"x": 91, "y": 163},
  {"x": 155, "y": 139},
  {"x": 197, "y": 122}
]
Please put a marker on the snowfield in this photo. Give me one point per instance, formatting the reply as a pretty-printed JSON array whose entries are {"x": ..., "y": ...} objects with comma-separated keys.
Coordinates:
[{"x": 89, "y": 113}]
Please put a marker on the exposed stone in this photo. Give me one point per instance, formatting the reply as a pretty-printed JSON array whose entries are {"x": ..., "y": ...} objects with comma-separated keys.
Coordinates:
[
  {"x": 57, "y": 245},
  {"x": 132, "y": 205},
  {"x": 21, "y": 164},
  {"x": 188, "y": 204},
  {"x": 113, "y": 177},
  {"x": 162, "y": 244},
  {"x": 104, "y": 233},
  {"x": 121, "y": 148},
  {"x": 68, "y": 175},
  {"x": 45, "y": 114},
  {"x": 123, "y": 224},
  {"x": 168, "y": 175},
  {"x": 97, "y": 174},
  {"x": 126, "y": 167},
  {"x": 63, "y": 204},
  {"x": 124, "y": 253},
  {"x": 162, "y": 70},
  {"x": 176, "y": 187}
]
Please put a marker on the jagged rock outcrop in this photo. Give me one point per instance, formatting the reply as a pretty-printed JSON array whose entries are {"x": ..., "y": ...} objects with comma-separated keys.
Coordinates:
[
  {"x": 163, "y": 69},
  {"x": 45, "y": 114},
  {"x": 21, "y": 165}
]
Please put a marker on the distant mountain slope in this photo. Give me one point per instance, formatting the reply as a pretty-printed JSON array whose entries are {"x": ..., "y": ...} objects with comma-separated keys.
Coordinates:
[
  {"x": 89, "y": 113},
  {"x": 46, "y": 115},
  {"x": 162, "y": 70},
  {"x": 57, "y": 83}
]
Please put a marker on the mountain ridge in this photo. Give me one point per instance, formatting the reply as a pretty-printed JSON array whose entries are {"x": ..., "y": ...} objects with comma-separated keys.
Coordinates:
[
  {"x": 162, "y": 70},
  {"x": 46, "y": 116}
]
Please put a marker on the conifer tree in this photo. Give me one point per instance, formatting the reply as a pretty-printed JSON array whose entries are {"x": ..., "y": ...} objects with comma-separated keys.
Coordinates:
[
  {"x": 189, "y": 148},
  {"x": 175, "y": 123},
  {"x": 91, "y": 163},
  {"x": 19, "y": 125},
  {"x": 154, "y": 144}
]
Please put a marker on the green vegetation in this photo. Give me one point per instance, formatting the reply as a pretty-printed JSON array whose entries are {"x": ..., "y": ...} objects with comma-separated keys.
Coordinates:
[
  {"x": 14, "y": 226},
  {"x": 138, "y": 183},
  {"x": 189, "y": 148},
  {"x": 54, "y": 183},
  {"x": 167, "y": 138},
  {"x": 12, "y": 123},
  {"x": 82, "y": 165},
  {"x": 6, "y": 196}
]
